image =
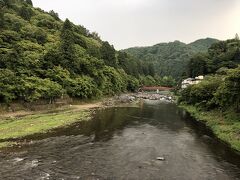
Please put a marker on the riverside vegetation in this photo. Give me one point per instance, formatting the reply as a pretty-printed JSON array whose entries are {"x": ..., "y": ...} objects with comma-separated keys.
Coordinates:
[{"x": 216, "y": 100}]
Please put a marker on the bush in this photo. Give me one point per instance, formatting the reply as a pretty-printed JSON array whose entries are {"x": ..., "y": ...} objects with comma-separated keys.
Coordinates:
[
  {"x": 32, "y": 89},
  {"x": 8, "y": 82},
  {"x": 228, "y": 94},
  {"x": 201, "y": 94},
  {"x": 82, "y": 87}
]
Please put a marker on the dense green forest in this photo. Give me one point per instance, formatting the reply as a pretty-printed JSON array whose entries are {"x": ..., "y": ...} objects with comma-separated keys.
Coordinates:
[
  {"x": 171, "y": 59},
  {"x": 43, "y": 57},
  {"x": 221, "y": 87}
]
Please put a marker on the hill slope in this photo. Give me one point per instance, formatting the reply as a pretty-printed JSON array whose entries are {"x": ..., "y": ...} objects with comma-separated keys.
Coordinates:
[
  {"x": 43, "y": 57},
  {"x": 171, "y": 59}
]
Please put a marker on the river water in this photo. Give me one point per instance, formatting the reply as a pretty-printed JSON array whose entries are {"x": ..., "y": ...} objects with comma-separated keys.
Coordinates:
[{"x": 124, "y": 143}]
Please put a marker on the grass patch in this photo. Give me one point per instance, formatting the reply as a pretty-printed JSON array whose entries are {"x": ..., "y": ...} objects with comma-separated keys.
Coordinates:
[
  {"x": 40, "y": 123},
  {"x": 226, "y": 126},
  {"x": 6, "y": 144}
]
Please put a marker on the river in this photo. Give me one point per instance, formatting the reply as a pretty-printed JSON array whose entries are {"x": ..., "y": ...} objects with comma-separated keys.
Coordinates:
[{"x": 124, "y": 143}]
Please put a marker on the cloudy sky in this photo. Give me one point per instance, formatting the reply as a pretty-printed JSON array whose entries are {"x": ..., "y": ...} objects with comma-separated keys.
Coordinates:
[{"x": 128, "y": 23}]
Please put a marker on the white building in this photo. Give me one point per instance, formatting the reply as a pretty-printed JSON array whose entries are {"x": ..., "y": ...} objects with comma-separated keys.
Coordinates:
[{"x": 191, "y": 81}]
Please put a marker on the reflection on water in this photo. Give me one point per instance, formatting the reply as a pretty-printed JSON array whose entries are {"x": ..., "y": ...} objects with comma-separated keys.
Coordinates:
[{"x": 124, "y": 143}]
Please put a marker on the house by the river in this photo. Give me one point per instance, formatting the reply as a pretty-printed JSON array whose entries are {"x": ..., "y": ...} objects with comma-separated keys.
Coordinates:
[{"x": 191, "y": 81}]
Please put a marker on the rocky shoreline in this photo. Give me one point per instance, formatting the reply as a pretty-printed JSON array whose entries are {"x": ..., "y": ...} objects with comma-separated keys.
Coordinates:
[{"x": 128, "y": 98}]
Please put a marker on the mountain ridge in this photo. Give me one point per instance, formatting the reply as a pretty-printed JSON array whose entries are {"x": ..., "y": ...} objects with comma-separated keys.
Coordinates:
[{"x": 171, "y": 59}]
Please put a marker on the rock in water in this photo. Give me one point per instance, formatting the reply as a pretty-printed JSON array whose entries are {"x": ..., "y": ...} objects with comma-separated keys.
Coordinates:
[{"x": 160, "y": 158}]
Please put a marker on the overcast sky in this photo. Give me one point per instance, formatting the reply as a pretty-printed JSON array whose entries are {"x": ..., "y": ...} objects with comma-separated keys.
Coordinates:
[{"x": 128, "y": 23}]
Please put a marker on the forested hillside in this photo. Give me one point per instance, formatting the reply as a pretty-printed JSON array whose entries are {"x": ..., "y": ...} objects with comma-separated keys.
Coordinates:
[
  {"x": 43, "y": 57},
  {"x": 171, "y": 59},
  {"x": 219, "y": 57}
]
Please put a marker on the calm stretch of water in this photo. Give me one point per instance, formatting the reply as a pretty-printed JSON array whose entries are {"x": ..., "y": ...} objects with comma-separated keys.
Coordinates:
[{"x": 123, "y": 143}]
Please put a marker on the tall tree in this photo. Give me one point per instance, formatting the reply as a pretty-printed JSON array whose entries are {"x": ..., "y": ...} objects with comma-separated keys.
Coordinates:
[
  {"x": 7, "y": 3},
  {"x": 29, "y": 2},
  {"x": 54, "y": 14},
  {"x": 108, "y": 54},
  {"x": 26, "y": 13},
  {"x": 67, "y": 45},
  {"x": 197, "y": 65}
]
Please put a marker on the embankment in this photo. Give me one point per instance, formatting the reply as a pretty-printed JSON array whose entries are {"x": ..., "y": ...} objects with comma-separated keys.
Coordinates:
[{"x": 224, "y": 125}]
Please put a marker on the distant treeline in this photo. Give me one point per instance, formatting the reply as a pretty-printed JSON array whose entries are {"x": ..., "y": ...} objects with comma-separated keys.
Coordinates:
[{"x": 171, "y": 59}]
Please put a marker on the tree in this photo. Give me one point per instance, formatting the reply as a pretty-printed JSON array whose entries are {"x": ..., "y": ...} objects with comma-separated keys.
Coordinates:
[
  {"x": 26, "y": 13},
  {"x": 228, "y": 94},
  {"x": 54, "y": 14},
  {"x": 197, "y": 65},
  {"x": 33, "y": 88},
  {"x": 29, "y": 2},
  {"x": 8, "y": 3},
  {"x": 132, "y": 84},
  {"x": 82, "y": 87},
  {"x": 168, "y": 81},
  {"x": 67, "y": 49},
  {"x": 8, "y": 82},
  {"x": 40, "y": 36},
  {"x": 2, "y": 3},
  {"x": 108, "y": 54},
  {"x": 151, "y": 69}
]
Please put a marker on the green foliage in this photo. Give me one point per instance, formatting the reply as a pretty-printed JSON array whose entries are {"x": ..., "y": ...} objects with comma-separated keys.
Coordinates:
[
  {"x": 108, "y": 54},
  {"x": 113, "y": 82},
  {"x": 29, "y": 2},
  {"x": 26, "y": 13},
  {"x": 228, "y": 94},
  {"x": 34, "y": 88},
  {"x": 197, "y": 65},
  {"x": 82, "y": 87},
  {"x": 219, "y": 91},
  {"x": 1, "y": 18},
  {"x": 167, "y": 81},
  {"x": 224, "y": 54},
  {"x": 67, "y": 48},
  {"x": 147, "y": 81},
  {"x": 170, "y": 59},
  {"x": 132, "y": 84},
  {"x": 8, "y": 82},
  {"x": 54, "y": 15},
  {"x": 40, "y": 123},
  {"x": 202, "y": 94},
  {"x": 7, "y": 3},
  {"x": 44, "y": 58},
  {"x": 225, "y": 125}
]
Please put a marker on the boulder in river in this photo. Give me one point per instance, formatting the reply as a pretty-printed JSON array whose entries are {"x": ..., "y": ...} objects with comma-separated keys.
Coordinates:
[{"x": 161, "y": 158}]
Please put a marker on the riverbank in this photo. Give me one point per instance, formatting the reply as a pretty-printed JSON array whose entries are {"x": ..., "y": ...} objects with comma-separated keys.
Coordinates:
[
  {"x": 17, "y": 125},
  {"x": 16, "y": 128},
  {"x": 225, "y": 126}
]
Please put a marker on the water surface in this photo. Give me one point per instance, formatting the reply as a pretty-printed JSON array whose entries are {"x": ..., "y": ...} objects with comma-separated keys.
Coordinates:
[{"x": 124, "y": 143}]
